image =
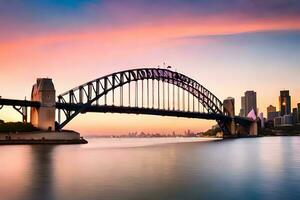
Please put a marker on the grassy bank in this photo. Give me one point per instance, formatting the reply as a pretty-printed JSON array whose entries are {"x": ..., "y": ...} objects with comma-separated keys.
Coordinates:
[{"x": 16, "y": 127}]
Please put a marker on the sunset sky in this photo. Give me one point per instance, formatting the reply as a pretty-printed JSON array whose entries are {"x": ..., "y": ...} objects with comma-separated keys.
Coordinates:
[{"x": 227, "y": 46}]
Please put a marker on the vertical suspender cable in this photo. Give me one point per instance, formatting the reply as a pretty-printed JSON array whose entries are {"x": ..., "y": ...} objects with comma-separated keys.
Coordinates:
[
  {"x": 147, "y": 93},
  {"x": 199, "y": 102},
  {"x": 188, "y": 99},
  {"x": 136, "y": 94},
  {"x": 142, "y": 93},
  {"x": 129, "y": 94},
  {"x": 168, "y": 95},
  {"x": 193, "y": 103},
  {"x": 183, "y": 100},
  {"x": 105, "y": 87},
  {"x": 178, "y": 95},
  {"x": 113, "y": 90},
  {"x": 153, "y": 93},
  {"x": 173, "y": 95},
  {"x": 163, "y": 94},
  {"x": 158, "y": 94}
]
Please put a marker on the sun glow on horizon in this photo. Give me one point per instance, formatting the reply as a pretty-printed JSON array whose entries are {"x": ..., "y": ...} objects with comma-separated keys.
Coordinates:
[{"x": 245, "y": 46}]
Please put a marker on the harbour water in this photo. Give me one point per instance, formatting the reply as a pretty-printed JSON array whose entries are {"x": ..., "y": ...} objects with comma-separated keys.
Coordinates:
[{"x": 153, "y": 168}]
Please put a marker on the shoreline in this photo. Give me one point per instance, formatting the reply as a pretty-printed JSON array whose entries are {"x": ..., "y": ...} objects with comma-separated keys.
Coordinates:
[
  {"x": 204, "y": 137},
  {"x": 42, "y": 142},
  {"x": 71, "y": 137},
  {"x": 41, "y": 137}
]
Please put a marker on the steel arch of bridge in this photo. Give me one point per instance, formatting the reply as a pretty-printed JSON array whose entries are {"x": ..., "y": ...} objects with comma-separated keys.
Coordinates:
[{"x": 87, "y": 96}]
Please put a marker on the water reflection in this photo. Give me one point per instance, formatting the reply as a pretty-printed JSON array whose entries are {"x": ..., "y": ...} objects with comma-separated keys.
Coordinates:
[
  {"x": 111, "y": 173},
  {"x": 14, "y": 171},
  {"x": 42, "y": 175},
  {"x": 260, "y": 168}
]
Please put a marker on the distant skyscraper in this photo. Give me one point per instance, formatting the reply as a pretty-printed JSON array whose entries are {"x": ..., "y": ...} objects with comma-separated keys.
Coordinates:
[
  {"x": 272, "y": 113},
  {"x": 271, "y": 108},
  {"x": 242, "y": 111},
  {"x": 250, "y": 102},
  {"x": 262, "y": 120},
  {"x": 285, "y": 102}
]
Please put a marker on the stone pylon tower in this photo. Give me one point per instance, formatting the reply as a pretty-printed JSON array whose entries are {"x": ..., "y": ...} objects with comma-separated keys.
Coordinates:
[
  {"x": 229, "y": 110},
  {"x": 44, "y": 92}
]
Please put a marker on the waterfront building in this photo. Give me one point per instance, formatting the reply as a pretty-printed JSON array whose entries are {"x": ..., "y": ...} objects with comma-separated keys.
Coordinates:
[
  {"x": 242, "y": 111},
  {"x": 277, "y": 121},
  {"x": 250, "y": 102},
  {"x": 295, "y": 116},
  {"x": 285, "y": 102},
  {"x": 298, "y": 118},
  {"x": 287, "y": 120},
  {"x": 272, "y": 113}
]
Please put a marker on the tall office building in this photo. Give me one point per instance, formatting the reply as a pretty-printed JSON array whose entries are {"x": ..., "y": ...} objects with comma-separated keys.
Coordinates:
[
  {"x": 272, "y": 113},
  {"x": 250, "y": 102},
  {"x": 242, "y": 111},
  {"x": 285, "y": 102}
]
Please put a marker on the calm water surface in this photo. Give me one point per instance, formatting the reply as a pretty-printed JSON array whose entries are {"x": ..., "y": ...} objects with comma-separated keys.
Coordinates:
[{"x": 259, "y": 168}]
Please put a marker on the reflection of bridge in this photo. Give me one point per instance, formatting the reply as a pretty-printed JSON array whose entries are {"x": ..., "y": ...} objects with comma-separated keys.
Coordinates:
[{"x": 139, "y": 91}]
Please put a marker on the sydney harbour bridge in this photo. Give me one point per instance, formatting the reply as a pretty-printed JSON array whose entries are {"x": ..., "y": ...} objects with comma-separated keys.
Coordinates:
[{"x": 151, "y": 91}]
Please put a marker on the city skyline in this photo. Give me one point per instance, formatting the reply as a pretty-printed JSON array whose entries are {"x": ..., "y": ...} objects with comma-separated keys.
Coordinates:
[
  {"x": 245, "y": 46},
  {"x": 149, "y": 99}
]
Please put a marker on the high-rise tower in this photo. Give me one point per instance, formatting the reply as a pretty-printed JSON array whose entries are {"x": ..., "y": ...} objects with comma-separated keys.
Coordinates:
[
  {"x": 285, "y": 102},
  {"x": 250, "y": 102},
  {"x": 242, "y": 111}
]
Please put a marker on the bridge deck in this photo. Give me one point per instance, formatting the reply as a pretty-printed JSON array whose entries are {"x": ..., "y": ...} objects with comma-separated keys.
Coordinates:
[
  {"x": 150, "y": 111},
  {"x": 128, "y": 110},
  {"x": 15, "y": 102}
]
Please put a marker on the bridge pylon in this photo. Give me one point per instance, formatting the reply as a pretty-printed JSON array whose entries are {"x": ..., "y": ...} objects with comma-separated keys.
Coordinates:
[
  {"x": 253, "y": 129},
  {"x": 229, "y": 110},
  {"x": 43, "y": 117}
]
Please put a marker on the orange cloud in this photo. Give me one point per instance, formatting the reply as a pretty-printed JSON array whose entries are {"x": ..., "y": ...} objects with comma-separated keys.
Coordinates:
[
  {"x": 181, "y": 27},
  {"x": 56, "y": 54}
]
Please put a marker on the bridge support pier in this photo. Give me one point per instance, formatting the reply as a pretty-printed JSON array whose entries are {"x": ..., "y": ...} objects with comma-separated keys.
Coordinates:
[
  {"x": 248, "y": 129},
  {"x": 44, "y": 116},
  {"x": 253, "y": 129},
  {"x": 233, "y": 127},
  {"x": 229, "y": 110}
]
